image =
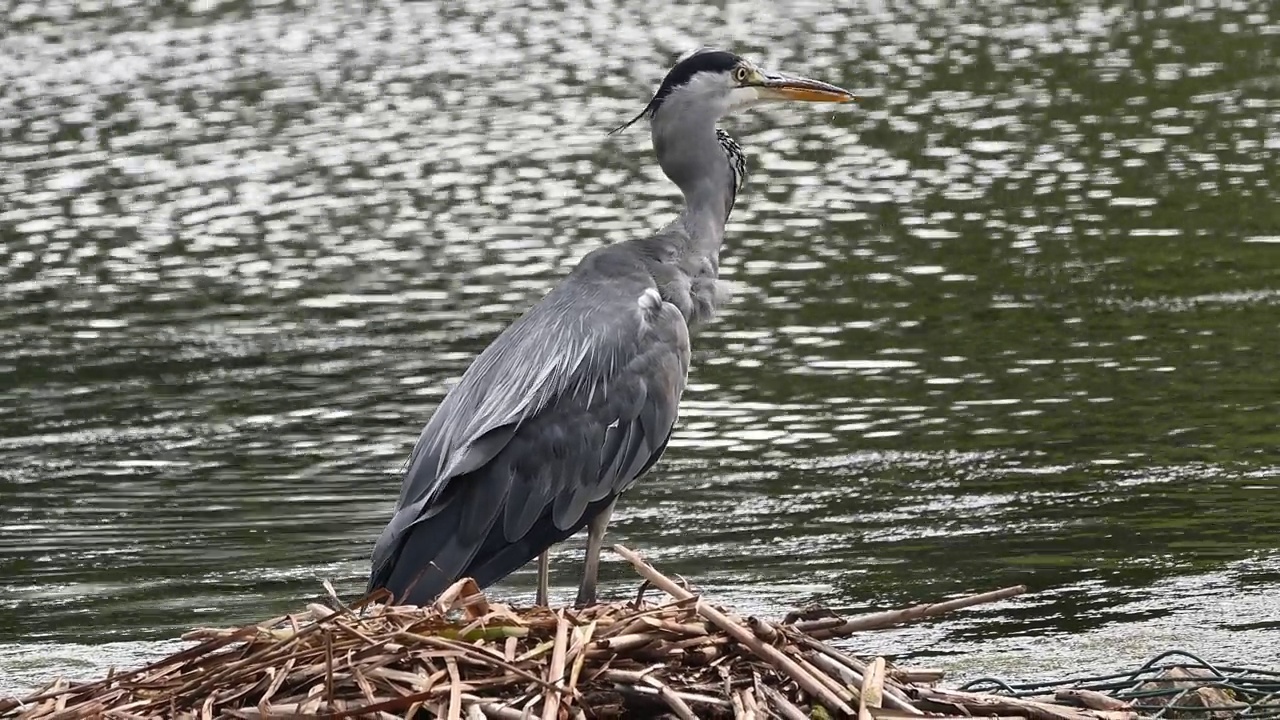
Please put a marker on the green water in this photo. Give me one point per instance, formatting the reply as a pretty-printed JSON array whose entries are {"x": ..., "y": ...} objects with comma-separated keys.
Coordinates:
[{"x": 1012, "y": 319}]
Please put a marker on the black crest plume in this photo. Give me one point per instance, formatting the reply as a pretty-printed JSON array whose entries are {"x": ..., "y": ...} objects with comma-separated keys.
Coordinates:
[{"x": 701, "y": 60}]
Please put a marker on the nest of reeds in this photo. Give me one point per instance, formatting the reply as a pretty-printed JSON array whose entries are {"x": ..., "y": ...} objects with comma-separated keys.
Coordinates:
[{"x": 466, "y": 656}]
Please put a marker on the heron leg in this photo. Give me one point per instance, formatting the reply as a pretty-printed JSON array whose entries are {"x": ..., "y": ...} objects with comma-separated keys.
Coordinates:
[
  {"x": 544, "y": 582},
  {"x": 591, "y": 567}
]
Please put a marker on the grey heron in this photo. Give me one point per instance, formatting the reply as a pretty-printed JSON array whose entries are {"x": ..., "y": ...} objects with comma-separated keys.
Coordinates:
[{"x": 576, "y": 400}]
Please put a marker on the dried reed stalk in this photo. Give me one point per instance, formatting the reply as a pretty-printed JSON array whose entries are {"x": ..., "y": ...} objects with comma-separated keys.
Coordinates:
[
  {"x": 466, "y": 656},
  {"x": 743, "y": 635},
  {"x": 836, "y": 627}
]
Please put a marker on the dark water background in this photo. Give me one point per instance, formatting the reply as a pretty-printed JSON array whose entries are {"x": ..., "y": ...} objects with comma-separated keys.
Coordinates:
[{"x": 1013, "y": 319}]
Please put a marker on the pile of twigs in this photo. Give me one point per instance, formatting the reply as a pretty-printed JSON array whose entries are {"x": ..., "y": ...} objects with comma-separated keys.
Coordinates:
[{"x": 467, "y": 657}]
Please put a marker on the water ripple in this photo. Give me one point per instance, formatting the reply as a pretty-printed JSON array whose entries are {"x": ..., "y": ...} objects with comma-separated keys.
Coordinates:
[{"x": 1010, "y": 319}]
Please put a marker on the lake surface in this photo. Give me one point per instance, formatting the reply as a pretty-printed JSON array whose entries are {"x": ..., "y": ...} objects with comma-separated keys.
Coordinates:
[{"x": 1014, "y": 318}]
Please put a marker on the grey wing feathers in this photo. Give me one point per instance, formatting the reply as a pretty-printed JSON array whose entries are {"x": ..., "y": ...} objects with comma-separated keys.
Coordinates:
[{"x": 560, "y": 414}]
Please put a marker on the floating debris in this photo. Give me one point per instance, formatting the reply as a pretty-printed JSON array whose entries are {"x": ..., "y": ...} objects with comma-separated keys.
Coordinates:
[
  {"x": 467, "y": 657},
  {"x": 1173, "y": 684}
]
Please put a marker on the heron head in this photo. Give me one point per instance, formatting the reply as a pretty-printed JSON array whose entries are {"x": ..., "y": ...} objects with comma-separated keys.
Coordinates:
[{"x": 716, "y": 82}]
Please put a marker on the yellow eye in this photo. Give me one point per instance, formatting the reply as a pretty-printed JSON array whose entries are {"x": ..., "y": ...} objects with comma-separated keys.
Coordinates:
[{"x": 740, "y": 74}]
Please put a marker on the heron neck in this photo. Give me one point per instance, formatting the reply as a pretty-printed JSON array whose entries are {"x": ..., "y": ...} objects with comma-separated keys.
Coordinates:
[
  {"x": 691, "y": 157},
  {"x": 706, "y": 211},
  {"x": 688, "y": 251}
]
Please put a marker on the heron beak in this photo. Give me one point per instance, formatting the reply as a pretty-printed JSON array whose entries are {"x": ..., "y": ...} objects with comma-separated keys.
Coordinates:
[{"x": 780, "y": 86}]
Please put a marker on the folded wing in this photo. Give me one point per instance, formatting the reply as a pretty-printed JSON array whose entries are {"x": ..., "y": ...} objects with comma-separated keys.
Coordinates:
[{"x": 563, "y": 412}]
